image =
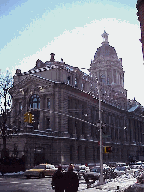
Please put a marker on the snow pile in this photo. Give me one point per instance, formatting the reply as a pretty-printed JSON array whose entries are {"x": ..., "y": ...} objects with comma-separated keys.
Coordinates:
[{"x": 10, "y": 174}]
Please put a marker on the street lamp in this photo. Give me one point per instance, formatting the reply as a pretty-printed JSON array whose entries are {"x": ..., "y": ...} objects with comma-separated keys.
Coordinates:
[{"x": 99, "y": 124}]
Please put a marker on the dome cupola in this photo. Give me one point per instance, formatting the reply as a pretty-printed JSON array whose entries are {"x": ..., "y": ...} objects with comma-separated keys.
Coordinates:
[{"x": 105, "y": 50}]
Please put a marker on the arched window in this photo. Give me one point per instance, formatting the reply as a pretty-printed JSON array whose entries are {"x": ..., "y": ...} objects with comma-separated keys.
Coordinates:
[{"x": 34, "y": 102}]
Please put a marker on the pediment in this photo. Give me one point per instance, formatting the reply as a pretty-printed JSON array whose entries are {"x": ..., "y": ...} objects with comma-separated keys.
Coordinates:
[{"x": 31, "y": 83}]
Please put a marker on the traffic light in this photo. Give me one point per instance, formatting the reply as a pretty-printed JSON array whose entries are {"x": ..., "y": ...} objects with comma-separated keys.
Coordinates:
[
  {"x": 26, "y": 117},
  {"x": 31, "y": 118},
  {"x": 108, "y": 149}
]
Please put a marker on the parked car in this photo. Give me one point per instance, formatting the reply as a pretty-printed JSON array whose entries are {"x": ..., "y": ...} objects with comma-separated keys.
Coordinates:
[
  {"x": 94, "y": 174},
  {"x": 82, "y": 170},
  {"x": 118, "y": 171},
  {"x": 128, "y": 170},
  {"x": 137, "y": 169},
  {"x": 40, "y": 171},
  {"x": 77, "y": 168},
  {"x": 112, "y": 164},
  {"x": 120, "y": 164}
]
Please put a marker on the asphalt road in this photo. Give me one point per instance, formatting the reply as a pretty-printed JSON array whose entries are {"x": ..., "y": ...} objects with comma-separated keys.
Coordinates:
[{"x": 21, "y": 184}]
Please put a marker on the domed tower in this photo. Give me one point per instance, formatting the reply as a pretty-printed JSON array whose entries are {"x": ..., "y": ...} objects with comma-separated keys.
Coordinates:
[{"x": 107, "y": 67}]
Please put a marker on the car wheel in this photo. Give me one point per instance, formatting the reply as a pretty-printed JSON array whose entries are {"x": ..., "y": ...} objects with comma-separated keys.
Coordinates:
[
  {"x": 115, "y": 174},
  {"x": 94, "y": 180},
  {"x": 28, "y": 177},
  {"x": 40, "y": 175}
]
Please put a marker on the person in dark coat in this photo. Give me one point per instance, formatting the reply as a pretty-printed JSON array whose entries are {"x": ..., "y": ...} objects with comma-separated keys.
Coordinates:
[
  {"x": 58, "y": 180},
  {"x": 71, "y": 181}
]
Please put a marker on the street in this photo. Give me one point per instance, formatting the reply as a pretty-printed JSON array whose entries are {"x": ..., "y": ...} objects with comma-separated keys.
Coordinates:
[{"x": 21, "y": 184}]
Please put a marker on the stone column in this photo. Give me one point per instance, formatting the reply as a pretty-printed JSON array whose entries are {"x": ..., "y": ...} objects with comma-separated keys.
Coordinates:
[
  {"x": 56, "y": 108},
  {"x": 132, "y": 129},
  {"x": 106, "y": 76},
  {"x": 88, "y": 126},
  {"x": 64, "y": 107},
  {"x": 41, "y": 119},
  {"x": 116, "y": 77},
  {"x": 112, "y": 76}
]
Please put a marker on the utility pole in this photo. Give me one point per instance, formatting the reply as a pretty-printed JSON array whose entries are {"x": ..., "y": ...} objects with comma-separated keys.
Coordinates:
[{"x": 100, "y": 127}]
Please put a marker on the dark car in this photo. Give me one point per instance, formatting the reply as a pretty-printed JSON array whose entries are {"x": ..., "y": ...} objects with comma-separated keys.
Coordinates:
[{"x": 93, "y": 174}]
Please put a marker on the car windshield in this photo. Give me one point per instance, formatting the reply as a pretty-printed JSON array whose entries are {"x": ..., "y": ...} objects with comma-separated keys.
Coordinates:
[
  {"x": 97, "y": 170},
  {"x": 121, "y": 168},
  {"x": 135, "y": 166},
  {"x": 82, "y": 168},
  {"x": 76, "y": 168},
  {"x": 40, "y": 167},
  {"x": 51, "y": 166}
]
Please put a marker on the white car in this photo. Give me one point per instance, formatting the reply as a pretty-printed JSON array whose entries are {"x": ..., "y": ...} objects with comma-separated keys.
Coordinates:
[
  {"x": 128, "y": 170},
  {"x": 119, "y": 171},
  {"x": 136, "y": 169}
]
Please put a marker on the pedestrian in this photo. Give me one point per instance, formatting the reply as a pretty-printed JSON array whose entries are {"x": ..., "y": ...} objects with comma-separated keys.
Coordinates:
[
  {"x": 71, "y": 181},
  {"x": 58, "y": 180}
]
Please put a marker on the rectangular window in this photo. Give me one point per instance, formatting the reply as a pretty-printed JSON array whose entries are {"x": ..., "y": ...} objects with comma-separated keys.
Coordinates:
[
  {"x": 48, "y": 103},
  {"x": 68, "y": 80},
  {"x": 71, "y": 152},
  {"x": 83, "y": 128},
  {"x": 93, "y": 153},
  {"x": 75, "y": 82},
  {"x": 70, "y": 127},
  {"x": 48, "y": 123},
  {"x": 86, "y": 153},
  {"x": 20, "y": 106},
  {"x": 92, "y": 131}
]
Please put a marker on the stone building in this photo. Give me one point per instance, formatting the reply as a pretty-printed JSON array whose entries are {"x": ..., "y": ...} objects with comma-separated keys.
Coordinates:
[
  {"x": 65, "y": 104},
  {"x": 140, "y": 14}
]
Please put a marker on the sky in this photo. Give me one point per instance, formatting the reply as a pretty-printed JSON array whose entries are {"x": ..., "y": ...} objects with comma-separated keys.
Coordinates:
[{"x": 32, "y": 29}]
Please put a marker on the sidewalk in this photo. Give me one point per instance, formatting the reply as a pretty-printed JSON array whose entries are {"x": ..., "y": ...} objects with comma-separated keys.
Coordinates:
[
  {"x": 17, "y": 174},
  {"x": 118, "y": 184}
]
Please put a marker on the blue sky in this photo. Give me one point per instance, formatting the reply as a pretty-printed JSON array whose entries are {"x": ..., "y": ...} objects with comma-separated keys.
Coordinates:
[{"x": 32, "y": 29}]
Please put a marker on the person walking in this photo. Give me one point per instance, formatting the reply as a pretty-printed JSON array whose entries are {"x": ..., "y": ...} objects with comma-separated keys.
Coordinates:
[
  {"x": 58, "y": 180},
  {"x": 71, "y": 181}
]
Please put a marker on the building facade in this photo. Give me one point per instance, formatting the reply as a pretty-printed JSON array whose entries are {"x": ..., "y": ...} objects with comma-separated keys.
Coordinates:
[{"x": 65, "y": 105}]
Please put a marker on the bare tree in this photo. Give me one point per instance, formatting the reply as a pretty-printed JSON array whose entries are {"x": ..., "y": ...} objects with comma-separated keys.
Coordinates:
[{"x": 6, "y": 82}]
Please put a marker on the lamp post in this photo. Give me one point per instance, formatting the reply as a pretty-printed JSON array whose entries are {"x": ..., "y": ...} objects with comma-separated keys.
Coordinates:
[{"x": 99, "y": 124}]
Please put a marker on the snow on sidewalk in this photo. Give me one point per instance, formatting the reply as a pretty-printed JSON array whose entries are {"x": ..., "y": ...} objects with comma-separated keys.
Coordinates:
[
  {"x": 12, "y": 174},
  {"x": 122, "y": 183}
]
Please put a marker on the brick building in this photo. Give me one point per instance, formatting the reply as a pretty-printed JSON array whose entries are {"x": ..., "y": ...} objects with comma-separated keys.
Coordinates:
[
  {"x": 64, "y": 101},
  {"x": 140, "y": 14}
]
